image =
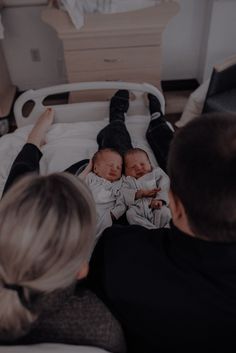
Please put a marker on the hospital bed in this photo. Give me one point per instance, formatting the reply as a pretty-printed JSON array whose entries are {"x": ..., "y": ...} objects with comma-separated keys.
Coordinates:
[{"x": 72, "y": 137}]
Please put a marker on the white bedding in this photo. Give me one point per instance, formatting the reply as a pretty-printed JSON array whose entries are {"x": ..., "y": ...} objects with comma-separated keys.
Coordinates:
[
  {"x": 67, "y": 144},
  {"x": 77, "y": 8}
]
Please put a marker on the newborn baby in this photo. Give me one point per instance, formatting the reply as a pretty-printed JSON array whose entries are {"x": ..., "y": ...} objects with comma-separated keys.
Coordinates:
[
  {"x": 103, "y": 175},
  {"x": 145, "y": 191}
]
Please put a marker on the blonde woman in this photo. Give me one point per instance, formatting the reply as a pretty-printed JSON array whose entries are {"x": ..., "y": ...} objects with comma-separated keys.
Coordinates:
[{"x": 47, "y": 233}]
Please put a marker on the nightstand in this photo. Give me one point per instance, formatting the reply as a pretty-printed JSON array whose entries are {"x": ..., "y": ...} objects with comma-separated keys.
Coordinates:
[{"x": 113, "y": 47}]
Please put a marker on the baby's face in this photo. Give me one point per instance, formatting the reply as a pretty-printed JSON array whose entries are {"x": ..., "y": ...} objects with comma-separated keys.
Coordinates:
[
  {"x": 109, "y": 166},
  {"x": 137, "y": 165}
]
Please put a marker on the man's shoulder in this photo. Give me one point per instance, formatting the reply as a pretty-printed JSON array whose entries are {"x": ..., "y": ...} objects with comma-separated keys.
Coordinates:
[
  {"x": 134, "y": 235},
  {"x": 133, "y": 229},
  {"x": 128, "y": 247}
]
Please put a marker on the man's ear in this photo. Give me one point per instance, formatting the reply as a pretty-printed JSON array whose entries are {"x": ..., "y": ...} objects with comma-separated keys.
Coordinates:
[
  {"x": 83, "y": 272},
  {"x": 179, "y": 216},
  {"x": 175, "y": 206}
]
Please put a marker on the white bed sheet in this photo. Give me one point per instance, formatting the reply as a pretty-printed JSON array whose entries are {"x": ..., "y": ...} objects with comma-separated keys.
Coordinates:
[{"x": 68, "y": 143}]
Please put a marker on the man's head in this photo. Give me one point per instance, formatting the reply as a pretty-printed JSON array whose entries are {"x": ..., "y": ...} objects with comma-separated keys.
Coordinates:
[
  {"x": 137, "y": 163},
  {"x": 202, "y": 170},
  {"x": 107, "y": 164}
]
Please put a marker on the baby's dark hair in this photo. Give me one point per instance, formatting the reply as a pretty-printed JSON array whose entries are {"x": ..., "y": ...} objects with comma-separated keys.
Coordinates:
[
  {"x": 101, "y": 151},
  {"x": 133, "y": 151}
]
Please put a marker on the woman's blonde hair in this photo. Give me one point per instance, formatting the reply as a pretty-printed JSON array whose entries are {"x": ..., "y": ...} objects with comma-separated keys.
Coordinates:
[{"x": 47, "y": 233}]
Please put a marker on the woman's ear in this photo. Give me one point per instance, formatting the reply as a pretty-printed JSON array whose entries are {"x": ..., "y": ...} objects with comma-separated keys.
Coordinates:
[{"x": 83, "y": 272}]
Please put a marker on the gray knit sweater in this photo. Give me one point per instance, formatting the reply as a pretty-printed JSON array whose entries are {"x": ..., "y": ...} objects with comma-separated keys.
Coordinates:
[{"x": 78, "y": 318}]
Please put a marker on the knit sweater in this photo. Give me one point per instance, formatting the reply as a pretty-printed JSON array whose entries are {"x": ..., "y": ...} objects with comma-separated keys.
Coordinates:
[{"x": 78, "y": 318}]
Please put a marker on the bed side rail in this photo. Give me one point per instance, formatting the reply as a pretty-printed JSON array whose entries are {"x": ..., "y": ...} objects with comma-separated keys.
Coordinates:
[{"x": 83, "y": 111}]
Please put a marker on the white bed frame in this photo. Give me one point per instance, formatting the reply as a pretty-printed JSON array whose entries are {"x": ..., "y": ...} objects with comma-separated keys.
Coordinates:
[{"x": 85, "y": 111}]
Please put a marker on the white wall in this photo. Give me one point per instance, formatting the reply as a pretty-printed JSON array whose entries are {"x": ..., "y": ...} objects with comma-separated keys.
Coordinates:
[
  {"x": 222, "y": 34},
  {"x": 201, "y": 35},
  {"x": 24, "y": 30},
  {"x": 187, "y": 50},
  {"x": 182, "y": 40}
]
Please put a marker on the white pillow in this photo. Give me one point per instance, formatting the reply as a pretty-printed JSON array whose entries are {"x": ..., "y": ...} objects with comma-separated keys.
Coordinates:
[{"x": 194, "y": 104}]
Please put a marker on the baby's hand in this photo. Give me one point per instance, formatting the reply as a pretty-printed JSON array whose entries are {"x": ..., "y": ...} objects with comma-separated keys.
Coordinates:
[
  {"x": 156, "y": 204},
  {"x": 148, "y": 193}
]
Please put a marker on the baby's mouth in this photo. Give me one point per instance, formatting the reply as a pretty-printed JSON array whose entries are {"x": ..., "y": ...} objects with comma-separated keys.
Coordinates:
[{"x": 139, "y": 174}]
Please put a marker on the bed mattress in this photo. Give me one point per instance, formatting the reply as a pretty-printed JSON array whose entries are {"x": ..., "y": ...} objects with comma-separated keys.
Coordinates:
[{"x": 67, "y": 143}]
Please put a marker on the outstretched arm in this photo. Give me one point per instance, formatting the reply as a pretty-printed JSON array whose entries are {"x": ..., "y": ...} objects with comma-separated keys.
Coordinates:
[{"x": 27, "y": 161}]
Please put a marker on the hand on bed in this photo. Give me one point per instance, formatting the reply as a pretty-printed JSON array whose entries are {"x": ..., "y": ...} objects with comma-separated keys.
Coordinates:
[
  {"x": 156, "y": 204},
  {"x": 86, "y": 170}
]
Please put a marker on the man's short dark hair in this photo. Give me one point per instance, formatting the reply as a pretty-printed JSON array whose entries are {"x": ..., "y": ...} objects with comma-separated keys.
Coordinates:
[{"x": 202, "y": 170}]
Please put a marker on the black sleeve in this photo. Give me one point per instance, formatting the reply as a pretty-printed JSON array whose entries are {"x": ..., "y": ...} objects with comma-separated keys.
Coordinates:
[
  {"x": 124, "y": 273},
  {"x": 77, "y": 167},
  {"x": 110, "y": 259},
  {"x": 27, "y": 161},
  {"x": 97, "y": 267}
]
